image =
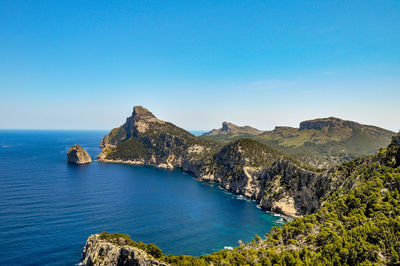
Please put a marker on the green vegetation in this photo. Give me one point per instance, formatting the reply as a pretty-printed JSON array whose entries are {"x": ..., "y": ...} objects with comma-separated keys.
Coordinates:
[{"x": 359, "y": 224}]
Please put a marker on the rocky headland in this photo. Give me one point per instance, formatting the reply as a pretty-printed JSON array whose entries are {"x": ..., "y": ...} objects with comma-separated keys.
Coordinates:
[{"x": 78, "y": 155}]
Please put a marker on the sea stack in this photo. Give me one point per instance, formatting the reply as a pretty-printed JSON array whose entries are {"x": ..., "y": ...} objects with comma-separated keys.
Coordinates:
[{"x": 77, "y": 155}]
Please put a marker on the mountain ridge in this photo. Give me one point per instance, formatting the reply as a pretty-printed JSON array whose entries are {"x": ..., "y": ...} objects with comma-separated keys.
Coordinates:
[{"x": 321, "y": 142}]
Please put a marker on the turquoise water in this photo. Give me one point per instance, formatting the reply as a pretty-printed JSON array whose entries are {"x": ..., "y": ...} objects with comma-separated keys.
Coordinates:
[{"x": 48, "y": 208}]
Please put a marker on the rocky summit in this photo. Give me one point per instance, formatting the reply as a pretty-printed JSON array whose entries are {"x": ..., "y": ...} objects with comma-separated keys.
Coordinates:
[
  {"x": 232, "y": 129},
  {"x": 78, "y": 155}
]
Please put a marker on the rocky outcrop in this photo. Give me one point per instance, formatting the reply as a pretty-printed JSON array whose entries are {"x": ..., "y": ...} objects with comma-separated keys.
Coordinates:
[
  {"x": 98, "y": 251},
  {"x": 78, "y": 155},
  {"x": 229, "y": 128}
]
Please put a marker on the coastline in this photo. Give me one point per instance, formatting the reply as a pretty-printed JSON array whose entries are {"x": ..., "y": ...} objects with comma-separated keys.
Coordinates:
[{"x": 285, "y": 216}]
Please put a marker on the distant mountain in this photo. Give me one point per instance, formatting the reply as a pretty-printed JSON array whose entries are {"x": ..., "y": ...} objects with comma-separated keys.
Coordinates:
[
  {"x": 320, "y": 142},
  {"x": 232, "y": 129}
]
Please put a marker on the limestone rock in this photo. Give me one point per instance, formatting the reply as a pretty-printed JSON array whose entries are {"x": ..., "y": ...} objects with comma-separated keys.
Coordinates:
[
  {"x": 77, "y": 155},
  {"x": 98, "y": 251}
]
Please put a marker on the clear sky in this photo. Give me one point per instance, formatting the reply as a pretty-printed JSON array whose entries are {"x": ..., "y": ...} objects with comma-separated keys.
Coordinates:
[{"x": 85, "y": 64}]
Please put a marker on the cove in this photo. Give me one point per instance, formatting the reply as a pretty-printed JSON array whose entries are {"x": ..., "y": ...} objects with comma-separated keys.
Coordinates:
[{"x": 48, "y": 208}]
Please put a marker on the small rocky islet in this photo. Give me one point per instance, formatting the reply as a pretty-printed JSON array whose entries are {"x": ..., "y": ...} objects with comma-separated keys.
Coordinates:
[
  {"x": 78, "y": 155},
  {"x": 326, "y": 203}
]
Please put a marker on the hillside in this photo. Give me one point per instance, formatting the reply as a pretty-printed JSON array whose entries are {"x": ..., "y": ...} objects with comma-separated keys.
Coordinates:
[
  {"x": 321, "y": 142},
  {"x": 359, "y": 224}
]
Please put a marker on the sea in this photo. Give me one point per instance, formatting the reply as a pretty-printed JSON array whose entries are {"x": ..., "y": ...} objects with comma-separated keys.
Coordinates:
[{"x": 48, "y": 207}]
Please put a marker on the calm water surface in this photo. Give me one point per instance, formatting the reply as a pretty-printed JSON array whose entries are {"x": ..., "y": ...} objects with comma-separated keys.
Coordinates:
[{"x": 48, "y": 208}]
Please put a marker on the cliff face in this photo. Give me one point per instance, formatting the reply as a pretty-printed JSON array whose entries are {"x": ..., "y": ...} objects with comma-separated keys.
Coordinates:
[
  {"x": 98, "y": 251},
  {"x": 244, "y": 166}
]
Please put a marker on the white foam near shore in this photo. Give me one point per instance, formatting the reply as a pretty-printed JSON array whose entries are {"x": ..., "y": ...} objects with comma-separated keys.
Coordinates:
[{"x": 228, "y": 248}]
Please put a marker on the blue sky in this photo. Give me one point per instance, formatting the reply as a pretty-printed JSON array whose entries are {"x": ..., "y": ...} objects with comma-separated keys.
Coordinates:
[{"x": 85, "y": 64}]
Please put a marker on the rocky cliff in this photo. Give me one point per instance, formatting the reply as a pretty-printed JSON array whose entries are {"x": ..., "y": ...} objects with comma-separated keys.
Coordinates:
[
  {"x": 118, "y": 252},
  {"x": 244, "y": 166},
  {"x": 78, "y": 155}
]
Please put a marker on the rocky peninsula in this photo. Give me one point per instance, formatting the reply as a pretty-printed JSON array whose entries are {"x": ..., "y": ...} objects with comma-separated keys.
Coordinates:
[{"x": 244, "y": 166}]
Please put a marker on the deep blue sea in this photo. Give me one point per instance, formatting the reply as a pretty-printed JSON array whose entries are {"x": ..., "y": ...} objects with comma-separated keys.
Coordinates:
[{"x": 48, "y": 207}]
